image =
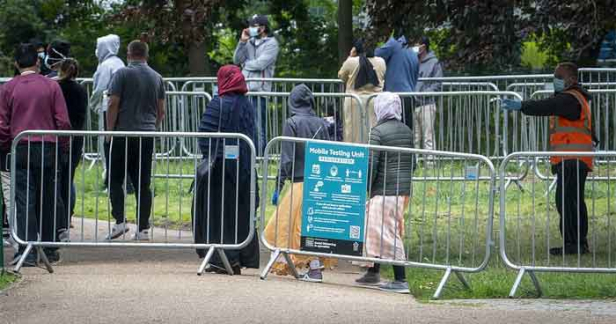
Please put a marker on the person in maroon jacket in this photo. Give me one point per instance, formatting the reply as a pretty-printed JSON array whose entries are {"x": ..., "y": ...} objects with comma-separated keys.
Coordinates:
[{"x": 31, "y": 101}]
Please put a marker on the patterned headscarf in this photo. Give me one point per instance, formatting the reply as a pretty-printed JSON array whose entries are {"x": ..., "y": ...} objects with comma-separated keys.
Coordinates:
[{"x": 387, "y": 106}]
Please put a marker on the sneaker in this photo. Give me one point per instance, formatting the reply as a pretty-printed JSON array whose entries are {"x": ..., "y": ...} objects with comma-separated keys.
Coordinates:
[
  {"x": 143, "y": 235},
  {"x": 400, "y": 287},
  {"x": 315, "y": 273},
  {"x": 117, "y": 230},
  {"x": 30, "y": 260},
  {"x": 369, "y": 279},
  {"x": 63, "y": 236}
]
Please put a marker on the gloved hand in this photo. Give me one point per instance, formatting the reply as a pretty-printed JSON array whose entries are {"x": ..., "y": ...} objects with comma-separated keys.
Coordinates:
[
  {"x": 511, "y": 104},
  {"x": 275, "y": 198}
]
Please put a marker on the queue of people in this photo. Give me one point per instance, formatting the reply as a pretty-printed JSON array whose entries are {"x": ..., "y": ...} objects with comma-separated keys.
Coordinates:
[{"x": 132, "y": 98}]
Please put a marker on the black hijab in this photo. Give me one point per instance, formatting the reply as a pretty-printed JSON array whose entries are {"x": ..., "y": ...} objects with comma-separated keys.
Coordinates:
[{"x": 366, "y": 74}]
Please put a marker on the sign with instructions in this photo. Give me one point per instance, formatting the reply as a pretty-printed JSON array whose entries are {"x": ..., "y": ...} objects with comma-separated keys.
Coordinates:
[{"x": 334, "y": 200}]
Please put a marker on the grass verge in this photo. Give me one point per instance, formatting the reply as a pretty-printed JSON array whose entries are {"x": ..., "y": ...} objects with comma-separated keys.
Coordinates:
[{"x": 6, "y": 279}]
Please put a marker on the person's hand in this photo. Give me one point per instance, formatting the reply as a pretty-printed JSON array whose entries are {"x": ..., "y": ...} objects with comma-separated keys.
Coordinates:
[
  {"x": 275, "y": 198},
  {"x": 245, "y": 36},
  {"x": 511, "y": 104}
]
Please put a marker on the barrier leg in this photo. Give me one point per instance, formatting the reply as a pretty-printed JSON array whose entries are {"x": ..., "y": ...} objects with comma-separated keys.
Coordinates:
[
  {"x": 462, "y": 280},
  {"x": 270, "y": 264},
  {"x": 518, "y": 281},
  {"x": 20, "y": 263},
  {"x": 291, "y": 265},
  {"x": 441, "y": 285},
  {"x": 206, "y": 260},
  {"x": 43, "y": 257},
  {"x": 225, "y": 261},
  {"x": 535, "y": 281}
]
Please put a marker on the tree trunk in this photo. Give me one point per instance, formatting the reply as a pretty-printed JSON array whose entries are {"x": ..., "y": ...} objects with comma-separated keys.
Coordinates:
[
  {"x": 198, "y": 61},
  {"x": 345, "y": 29}
]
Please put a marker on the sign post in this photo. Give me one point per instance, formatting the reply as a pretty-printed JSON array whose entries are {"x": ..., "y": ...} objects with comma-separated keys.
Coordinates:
[{"x": 334, "y": 201}]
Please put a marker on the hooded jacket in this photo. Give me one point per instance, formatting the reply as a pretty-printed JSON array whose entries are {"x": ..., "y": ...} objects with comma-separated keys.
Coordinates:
[
  {"x": 402, "y": 65},
  {"x": 303, "y": 123},
  {"x": 429, "y": 67},
  {"x": 107, "y": 48},
  {"x": 258, "y": 60}
]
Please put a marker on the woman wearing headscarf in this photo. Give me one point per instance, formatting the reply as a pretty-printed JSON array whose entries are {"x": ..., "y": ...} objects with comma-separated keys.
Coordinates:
[
  {"x": 283, "y": 230},
  {"x": 364, "y": 75},
  {"x": 223, "y": 196},
  {"x": 389, "y": 189}
]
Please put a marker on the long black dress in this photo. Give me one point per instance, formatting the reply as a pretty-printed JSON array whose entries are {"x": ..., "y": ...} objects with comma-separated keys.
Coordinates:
[{"x": 222, "y": 199}]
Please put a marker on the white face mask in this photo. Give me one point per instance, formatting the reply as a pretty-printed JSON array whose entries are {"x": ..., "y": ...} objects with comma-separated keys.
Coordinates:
[{"x": 415, "y": 49}]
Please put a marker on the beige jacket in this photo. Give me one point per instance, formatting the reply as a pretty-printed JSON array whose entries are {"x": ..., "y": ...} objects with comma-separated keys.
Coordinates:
[{"x": 350, "y": 68}]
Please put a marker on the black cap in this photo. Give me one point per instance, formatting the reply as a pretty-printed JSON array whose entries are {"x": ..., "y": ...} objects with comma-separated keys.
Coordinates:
[
  {"x": 258, "y": 20},
  {"x": 59, "y": 49}
]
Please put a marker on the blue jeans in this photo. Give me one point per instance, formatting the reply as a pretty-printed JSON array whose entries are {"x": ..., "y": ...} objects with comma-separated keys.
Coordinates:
[{"x": 260, "y": 105}]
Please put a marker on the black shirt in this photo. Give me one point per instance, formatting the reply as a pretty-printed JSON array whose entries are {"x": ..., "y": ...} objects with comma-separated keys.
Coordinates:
[{"x": 76, "y": 99}]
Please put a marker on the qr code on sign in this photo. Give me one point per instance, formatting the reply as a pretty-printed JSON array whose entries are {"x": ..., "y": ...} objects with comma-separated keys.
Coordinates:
[{"x": 354, "y": 232}]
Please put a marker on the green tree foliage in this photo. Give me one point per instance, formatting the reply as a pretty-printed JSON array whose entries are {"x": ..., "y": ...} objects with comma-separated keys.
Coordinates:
[
  {"x": 572, "y": 30},
  {"x": 487, "y": 35}
]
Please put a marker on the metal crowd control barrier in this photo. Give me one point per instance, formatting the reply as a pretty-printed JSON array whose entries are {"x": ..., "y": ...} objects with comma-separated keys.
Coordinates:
[
  {"x": 530, "y": 241},
  {"x": 187, "y": 110},
  {"x": 441, "y": 224},
  {"x": 93, "y": 151},
  {"x": 277, "y": 84},
  {"x": 467, "y": 121},
  {"x": 327, "y": 105},
  {"x": 214, "y": 216}
]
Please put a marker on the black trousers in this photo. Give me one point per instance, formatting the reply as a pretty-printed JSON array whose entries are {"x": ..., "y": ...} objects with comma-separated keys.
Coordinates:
[
  {"x": 132, "y": 156},
  {"x": 407, "y": 111},
  {"x": 68, "y": 175},
  {"x": 570, "y": 183},
  {"x": 39, "y": 206}
]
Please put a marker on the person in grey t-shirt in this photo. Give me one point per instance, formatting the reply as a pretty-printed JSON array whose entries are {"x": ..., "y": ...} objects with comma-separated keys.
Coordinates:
[{"x": 137, "y": 103}]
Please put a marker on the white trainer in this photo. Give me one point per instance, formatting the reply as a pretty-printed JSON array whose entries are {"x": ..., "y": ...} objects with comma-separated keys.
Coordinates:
[
  {"x": 143, "y": 235},
  {"x": 117, "y": 230}
]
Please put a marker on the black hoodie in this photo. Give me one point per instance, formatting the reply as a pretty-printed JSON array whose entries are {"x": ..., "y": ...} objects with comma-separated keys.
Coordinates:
[{"x": 303, "y": 123}]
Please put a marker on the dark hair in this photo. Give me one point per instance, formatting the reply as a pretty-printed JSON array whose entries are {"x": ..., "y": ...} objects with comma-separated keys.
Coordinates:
[
  {"x": 69, "y": 69},
  {"x": 570, "y": 68},
  {"x": 362, "y": 47},
  {"x": 26, "y": 55},
  {"x": 425, "y": 41},
  {"x": 138, "y": 49}
]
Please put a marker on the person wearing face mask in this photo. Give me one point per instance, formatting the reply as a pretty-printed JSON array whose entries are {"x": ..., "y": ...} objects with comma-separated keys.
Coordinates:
[
  {"x": 57, "y": 52},
  {"x": 42, "y": 54},
  {"x": 257, "y": 53},
  {"x": 364, "y": 75},
  {"x": 402, "y": 72},
  {"x": 571, "y": 129},
  {"x": 107, "y": 48},
  {"x": 425, "y": 107}
]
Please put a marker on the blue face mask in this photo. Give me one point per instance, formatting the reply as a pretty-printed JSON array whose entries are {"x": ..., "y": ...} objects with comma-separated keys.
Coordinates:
[
  {"x": 559, "y": 85},
  {"x": 253, "y": 31}
]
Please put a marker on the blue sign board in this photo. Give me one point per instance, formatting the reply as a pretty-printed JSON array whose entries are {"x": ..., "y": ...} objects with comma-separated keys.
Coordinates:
[{"x": 334, "y": 201}]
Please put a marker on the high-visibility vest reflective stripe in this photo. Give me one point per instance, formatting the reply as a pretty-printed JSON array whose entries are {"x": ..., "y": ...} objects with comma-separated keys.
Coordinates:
[{"x": 572, "y": 135}]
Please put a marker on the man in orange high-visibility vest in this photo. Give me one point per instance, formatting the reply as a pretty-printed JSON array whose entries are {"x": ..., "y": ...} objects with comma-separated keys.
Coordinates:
[{"x": 571, "y": 129}]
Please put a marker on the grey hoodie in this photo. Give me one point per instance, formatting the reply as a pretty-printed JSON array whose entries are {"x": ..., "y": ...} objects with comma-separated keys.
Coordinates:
[
  {"x": 107, "y": 48},
  {"x": 429, "y": 67},
  {"x": 258, "y": 60},
  {"x": 303, "y": 123}
]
